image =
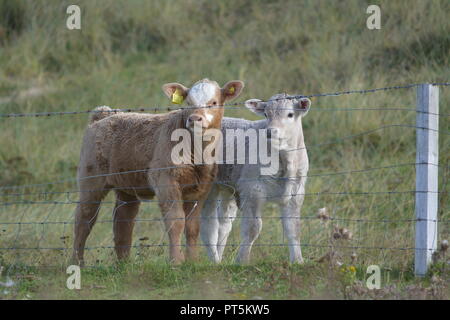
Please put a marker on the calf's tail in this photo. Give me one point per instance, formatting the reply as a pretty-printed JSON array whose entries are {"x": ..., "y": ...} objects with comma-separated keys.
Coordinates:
[{"x": 99, "y": 113}]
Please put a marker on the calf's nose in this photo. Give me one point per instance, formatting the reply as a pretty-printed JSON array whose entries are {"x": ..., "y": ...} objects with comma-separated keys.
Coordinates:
[{"x": 196, "y": 118}]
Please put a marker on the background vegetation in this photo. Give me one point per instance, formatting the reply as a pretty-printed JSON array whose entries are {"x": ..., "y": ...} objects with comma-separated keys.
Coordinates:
[{"x": 123, "y": 54}]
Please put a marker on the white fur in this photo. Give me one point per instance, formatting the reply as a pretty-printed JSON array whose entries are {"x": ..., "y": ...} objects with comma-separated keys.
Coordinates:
[
  {"x": 209, "y": 116},
  {"x": 202, "y": 93},
  {"x": 245, "y": 181}
]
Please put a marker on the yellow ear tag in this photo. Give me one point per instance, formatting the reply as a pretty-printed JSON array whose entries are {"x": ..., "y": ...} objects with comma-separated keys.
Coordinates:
[
  {"x": 177, "y": 98},
  {"x": 231, "y": 90}
]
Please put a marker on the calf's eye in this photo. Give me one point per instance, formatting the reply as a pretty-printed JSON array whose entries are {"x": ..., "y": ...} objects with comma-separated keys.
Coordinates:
[{"x": 290, "y": 115}]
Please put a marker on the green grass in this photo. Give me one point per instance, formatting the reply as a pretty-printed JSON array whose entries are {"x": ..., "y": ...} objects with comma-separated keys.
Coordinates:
[
  {"x": 127, "y": 50},
  {"x": 265, "y": 280}
]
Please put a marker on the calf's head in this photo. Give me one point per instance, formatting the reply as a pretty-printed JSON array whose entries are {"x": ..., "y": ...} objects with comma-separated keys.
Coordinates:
[
  {"x": 284, "y": 115},
  {"x": 207, "y": 96}
]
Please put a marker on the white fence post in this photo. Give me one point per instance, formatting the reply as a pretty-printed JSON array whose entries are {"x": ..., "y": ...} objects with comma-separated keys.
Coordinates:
[{"x": 427, "y": 148}]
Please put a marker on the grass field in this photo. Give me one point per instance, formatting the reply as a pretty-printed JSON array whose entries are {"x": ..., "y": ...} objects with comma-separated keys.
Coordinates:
[{"x": 125, "y": 52}]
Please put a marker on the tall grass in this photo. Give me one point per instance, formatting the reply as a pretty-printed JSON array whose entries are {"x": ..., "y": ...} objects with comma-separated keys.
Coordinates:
[{"x": 125, "y": 51}]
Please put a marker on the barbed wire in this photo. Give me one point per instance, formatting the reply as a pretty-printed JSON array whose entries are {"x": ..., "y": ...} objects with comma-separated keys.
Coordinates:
[
  {"x": 237, "y": 107},
  {"x": 22, "y": 221},
  {"x": 327, "y": 174},
  {"x": 121, "y": 202},
  {"x": 140, "y": 246},
  {"x": 161, "y": 219},
  {"x": 226, "y": 105},
  {"x": 331, "y": 142}
]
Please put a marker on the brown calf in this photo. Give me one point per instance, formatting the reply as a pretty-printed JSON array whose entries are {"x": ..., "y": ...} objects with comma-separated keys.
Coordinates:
[{"x": 122, "y": 142}]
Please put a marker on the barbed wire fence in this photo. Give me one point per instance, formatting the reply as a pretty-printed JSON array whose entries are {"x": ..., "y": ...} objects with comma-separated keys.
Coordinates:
[{"x": 36, "y": 226}]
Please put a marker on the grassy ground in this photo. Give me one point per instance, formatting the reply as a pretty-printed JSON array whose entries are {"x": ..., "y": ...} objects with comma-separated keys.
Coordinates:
[
  {"x": 127, "y": 50},
  {"x": 270, "y": 279}
]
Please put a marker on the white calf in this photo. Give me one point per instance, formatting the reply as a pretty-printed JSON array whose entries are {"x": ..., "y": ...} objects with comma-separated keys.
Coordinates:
[{"x": 245, "y": 188}]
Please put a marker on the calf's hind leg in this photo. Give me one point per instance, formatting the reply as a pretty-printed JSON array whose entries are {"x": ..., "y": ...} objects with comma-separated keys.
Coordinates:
[
  {"x": 125, "y": 211},
  {"x": 85, "y": 217}
]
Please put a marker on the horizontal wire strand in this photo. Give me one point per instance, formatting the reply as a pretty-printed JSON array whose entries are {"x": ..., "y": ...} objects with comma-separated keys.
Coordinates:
[
  {"x": 335, "y": 141},
  {"x": 140, "y": 246},
  {"x": 235, "y": 104},
  {"x": 228, "y": 181}
]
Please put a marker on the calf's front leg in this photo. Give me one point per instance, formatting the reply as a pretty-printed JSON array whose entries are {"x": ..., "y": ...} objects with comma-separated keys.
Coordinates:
[
  {"x": 192, "y": 210},
  {"x": 173, "y": 216},
  {"x": 290, "y": 217},
  {"x": 171, "y": 205}
]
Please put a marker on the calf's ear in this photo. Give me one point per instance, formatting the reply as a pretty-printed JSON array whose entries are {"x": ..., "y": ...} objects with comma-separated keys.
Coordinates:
[
  {"x": 175, "y": 92},
  {"x": 303, "y": 105},
  {"x": 255, "y": 105},
  {"x": 232, "y": 89}
]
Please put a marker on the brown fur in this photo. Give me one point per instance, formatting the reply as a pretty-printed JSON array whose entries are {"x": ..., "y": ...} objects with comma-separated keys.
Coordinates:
[{"x": 121, "y": 142}]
